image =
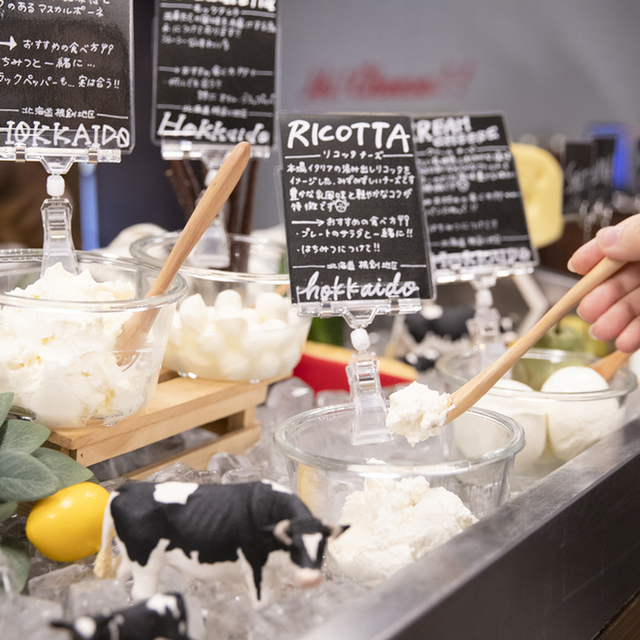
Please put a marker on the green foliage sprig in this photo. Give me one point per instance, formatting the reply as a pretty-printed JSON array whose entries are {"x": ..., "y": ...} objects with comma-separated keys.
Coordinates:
[{"x": 28, "y": 471}]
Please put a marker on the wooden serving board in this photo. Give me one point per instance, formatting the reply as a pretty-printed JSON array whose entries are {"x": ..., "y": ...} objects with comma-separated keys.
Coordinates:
[{"x": 179, "y": 404}]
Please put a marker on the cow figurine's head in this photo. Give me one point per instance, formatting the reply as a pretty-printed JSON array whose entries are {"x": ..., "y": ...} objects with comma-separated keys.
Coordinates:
[{"x": 305, "y": 540}]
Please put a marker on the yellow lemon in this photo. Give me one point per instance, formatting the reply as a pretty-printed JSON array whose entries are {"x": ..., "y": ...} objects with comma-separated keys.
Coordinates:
[{"x": 67, "y": 526}]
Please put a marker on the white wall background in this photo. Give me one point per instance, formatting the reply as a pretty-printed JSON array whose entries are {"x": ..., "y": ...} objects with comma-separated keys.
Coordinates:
[{"x": 550, "y": 66}]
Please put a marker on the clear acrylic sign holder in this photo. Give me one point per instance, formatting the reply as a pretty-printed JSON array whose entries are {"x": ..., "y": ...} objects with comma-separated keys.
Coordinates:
[
  {"x": 213, "y": 249},
  {"x": 368, "y": 425},
  {"x": 56, "y": 210},
  {"x": 485, "y": 326}
]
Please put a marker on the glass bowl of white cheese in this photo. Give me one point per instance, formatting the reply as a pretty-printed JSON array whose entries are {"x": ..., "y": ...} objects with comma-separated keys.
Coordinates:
[
  {"x": 237, "y": 323},
  {"x": 563, "y": 405},
  {"x": 62, "y": 351},
  {"x": 399, "y": 500}
]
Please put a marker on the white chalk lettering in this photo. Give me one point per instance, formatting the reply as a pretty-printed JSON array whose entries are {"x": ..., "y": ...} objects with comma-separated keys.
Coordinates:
[
  {"x": 210, "y": 131},
  {"x": 312, "y": 134},
  {"x": 353, "y": 290},
  {"x": 59, "y": 135}
]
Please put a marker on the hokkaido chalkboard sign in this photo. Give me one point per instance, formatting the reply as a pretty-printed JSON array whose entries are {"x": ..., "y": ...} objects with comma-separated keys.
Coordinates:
[
  {"x": 65, "y": 75},
  {"x": 215, "y": 71},
  {"x": 472, "y": 198},
  {"x": 353, "y": 209},
  {"x": 577, "y": 162}
]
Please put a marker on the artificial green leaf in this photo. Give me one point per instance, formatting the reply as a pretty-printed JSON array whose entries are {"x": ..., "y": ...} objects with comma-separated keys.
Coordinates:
[
  {"x": 17, "y": 556},
  {"x": 67, "y": 470},
  {"x": 7, "y": 509},
  {"x": 24, "y": 478},
  {"x": 6, "y": 400},
  {"x": 22, "y": 435}
]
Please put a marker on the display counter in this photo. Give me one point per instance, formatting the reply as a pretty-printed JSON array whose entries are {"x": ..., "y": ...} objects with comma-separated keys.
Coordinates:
[{"x": 558, "y": 561}]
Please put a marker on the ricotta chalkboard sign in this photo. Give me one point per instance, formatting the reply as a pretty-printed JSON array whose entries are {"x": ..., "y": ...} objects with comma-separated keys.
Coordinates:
[
  {"x": 215, "y": 72},
  {"x": 353, "y": 210},
  {"x": 577, "y": 161},
  {"x": 472, "y": 199},
  {"x": 65, "y": 75}
]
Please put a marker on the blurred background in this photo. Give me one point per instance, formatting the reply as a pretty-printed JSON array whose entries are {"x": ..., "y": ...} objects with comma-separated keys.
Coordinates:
[{"x": 557, "y": 71}]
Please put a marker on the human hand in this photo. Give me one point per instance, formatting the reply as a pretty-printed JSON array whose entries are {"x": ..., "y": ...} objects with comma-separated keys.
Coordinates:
[{"x": 613, "y": 308}]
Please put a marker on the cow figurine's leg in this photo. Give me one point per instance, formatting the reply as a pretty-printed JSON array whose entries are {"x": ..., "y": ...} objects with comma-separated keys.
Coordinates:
[{"x": 147, "y": 577}]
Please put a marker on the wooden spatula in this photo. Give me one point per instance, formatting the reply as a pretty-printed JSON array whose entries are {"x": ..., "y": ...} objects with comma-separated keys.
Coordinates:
[
  {"x": 467, "y": 395},
  {"x": 138, "y": 326},
  {"x": 608, "y": 366}
]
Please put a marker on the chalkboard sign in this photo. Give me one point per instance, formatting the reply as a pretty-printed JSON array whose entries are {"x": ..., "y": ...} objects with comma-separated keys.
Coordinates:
[
  {"x": 353, "y": 211},
  {"x": 602, "y": 169},
  {"x": 471, "y": 195},
  {"x": 65, "y": 76},
  {"x": 577, "y": 161},
  {"x": 215, "y": 72}
]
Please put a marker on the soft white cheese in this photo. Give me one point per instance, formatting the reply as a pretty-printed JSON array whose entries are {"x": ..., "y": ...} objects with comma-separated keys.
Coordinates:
[
  {"x": 393, "y": 523},
  {"x": 417, "y": 412},
  {"x": 227, "y": 341},
  {"x": 574, "y": 426},
  {"x": 61, "y": 364}
]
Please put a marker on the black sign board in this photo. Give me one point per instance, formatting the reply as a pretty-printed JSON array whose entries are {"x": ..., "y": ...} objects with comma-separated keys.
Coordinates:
[
  {"x": 471, "y": 195},
  {"x": 66, "y": 75},
  {"x": 602, "y": 169},
  {"x": 577, "y": 161},
  {"x": 215, "y": 72},
  {"x": 353, "y": 211}
]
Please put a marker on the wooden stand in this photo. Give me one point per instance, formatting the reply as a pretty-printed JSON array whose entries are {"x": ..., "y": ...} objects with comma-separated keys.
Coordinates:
[{"x": 179, "y": 404}]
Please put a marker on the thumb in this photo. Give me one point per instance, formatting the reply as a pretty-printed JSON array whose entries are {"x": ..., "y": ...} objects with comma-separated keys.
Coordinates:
[{"x": 621, "y": 242}]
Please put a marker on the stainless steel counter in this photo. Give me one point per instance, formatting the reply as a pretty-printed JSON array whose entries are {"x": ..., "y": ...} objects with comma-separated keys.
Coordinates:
[{"x": 556, "y": 562}]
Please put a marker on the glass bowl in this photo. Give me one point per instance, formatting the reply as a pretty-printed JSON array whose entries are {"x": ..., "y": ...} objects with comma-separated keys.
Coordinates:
[
  {"x": 324, "y": 466},
  {"x": 398, "y": 500},
  {"x": 59, "y": 357},
  {"x": 558, "y": 424},
  {"x": 236, "y": 325}
]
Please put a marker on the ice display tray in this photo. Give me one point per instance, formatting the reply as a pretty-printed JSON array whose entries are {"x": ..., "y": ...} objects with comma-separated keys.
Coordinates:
[{"x": 558, "y": 560}]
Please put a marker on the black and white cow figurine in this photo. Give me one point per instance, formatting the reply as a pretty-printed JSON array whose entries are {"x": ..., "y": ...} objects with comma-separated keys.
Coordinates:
[
  {"x": 161, "y": 616},
  {"x": 191, "y": 527}
]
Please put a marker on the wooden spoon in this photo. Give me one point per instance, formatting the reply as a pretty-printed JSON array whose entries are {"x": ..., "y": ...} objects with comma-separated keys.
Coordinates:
[
  {"x": 467, "y": 395},
  {"x": 608, "y": 366},
  {"x": 138, "y": 326}
]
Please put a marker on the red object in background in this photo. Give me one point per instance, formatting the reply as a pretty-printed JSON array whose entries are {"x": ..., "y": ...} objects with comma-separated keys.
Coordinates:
[{"x": 323, "y": 373}]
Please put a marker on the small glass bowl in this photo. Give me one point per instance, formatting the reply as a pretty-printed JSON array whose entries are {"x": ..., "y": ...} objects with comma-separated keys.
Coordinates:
[
  {"x": 558, "y": 425},
  {"x": 472, "y": 457},
  {"x": 236, "y": 325},
  {"x": 59, "y": 358}
]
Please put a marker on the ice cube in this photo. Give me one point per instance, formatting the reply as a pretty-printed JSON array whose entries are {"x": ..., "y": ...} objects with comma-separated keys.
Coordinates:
[
  {"x": 54, "y": 585},
  {"x": 223, "y": 462},
  {"x": 289, "y": 398},
  {"x": 328, "y": 397},
  {"x": 235, "y": 476},
  {"x": 28, "y": 617},
  {"x": 178, "y": 471},
  {"x": 95, "y": 597}
]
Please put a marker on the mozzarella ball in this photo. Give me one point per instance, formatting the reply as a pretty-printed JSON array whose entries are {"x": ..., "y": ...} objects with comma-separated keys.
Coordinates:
[{"x": 574, "y": 425}]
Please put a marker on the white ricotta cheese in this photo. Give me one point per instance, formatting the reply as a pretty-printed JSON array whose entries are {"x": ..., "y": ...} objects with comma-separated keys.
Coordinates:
[
  {"x": 417, "y": 412},
  {"x": 62, "y": 364},
  {"x": 392, "y": 524}
]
